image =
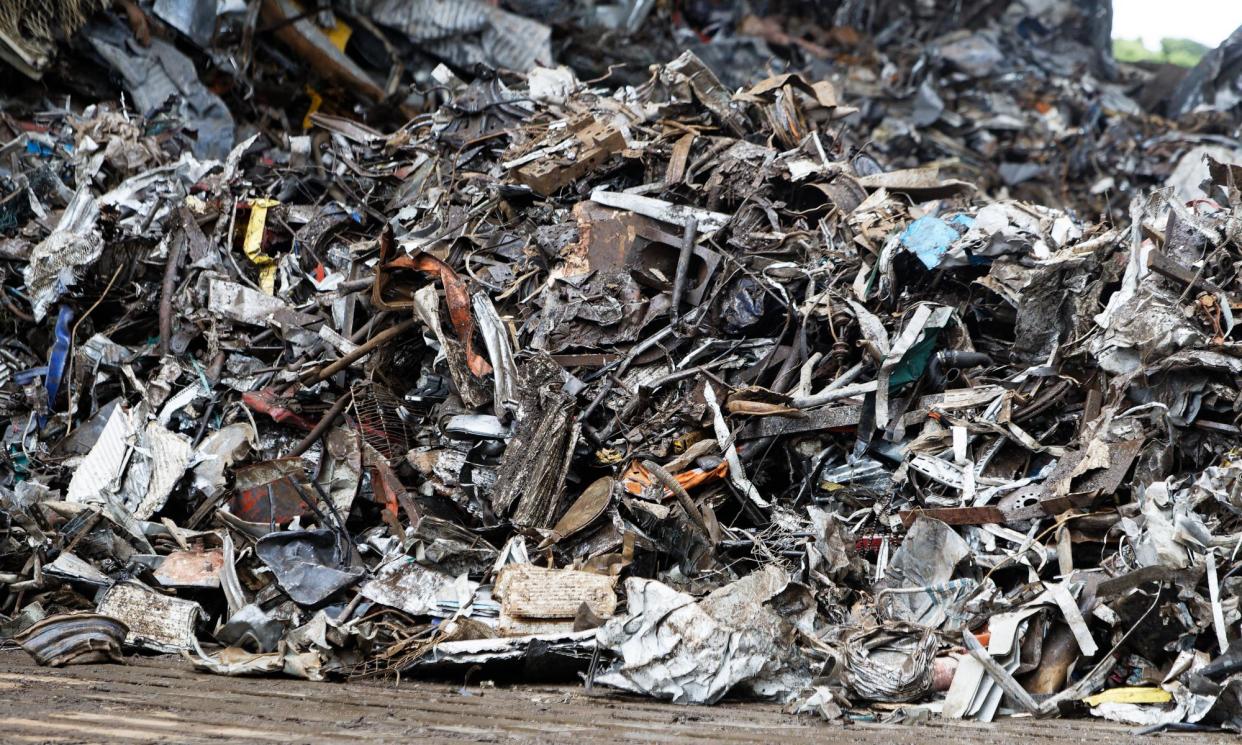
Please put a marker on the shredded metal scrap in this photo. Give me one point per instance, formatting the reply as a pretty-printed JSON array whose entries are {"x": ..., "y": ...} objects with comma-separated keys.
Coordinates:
[{"x": 359, "y": 341}]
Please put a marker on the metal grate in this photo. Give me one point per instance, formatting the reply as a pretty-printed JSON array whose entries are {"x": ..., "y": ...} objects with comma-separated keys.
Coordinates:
[{"x": 381, "y": 425}]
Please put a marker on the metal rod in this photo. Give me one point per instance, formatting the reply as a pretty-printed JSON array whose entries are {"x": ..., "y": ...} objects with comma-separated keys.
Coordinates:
[
  {"x": 363, "y": 350},
  {"x": 683, "y": 267},
  {"x": 324, "y": 422}
]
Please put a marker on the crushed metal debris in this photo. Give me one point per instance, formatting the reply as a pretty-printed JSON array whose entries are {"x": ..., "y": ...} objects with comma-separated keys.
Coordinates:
[{"x": 876, "y": 358}]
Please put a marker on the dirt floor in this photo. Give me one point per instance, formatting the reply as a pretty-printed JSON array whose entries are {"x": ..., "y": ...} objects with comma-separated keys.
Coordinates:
[{"x": 163, "y": 700}]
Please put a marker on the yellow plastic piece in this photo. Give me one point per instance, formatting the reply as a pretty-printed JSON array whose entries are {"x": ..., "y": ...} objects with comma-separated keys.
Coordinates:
[
  {"x": 1130, "y": 696},
  {"x": 339, "y": 34},
  {"x": 316, "y": 101},
  {"x": 253, "y": 245}
]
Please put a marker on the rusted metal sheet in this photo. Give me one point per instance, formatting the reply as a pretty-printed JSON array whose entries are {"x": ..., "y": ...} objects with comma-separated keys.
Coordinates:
[
  {"x": 612, "y": 239},
  {"x": 955, "y": 515},
  {"x": 265, "y": 492},
  {"x": 194, "y": 568},
  {"x": 597, "y": 142}
]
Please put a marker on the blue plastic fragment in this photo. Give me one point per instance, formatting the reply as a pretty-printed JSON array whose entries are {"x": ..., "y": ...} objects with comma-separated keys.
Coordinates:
[
  {"x": 59, "y": 358},
  {"x": 38, "y": 148},
  {"x": 930, "y": 238},
  {"x": 25, "y": 376}
]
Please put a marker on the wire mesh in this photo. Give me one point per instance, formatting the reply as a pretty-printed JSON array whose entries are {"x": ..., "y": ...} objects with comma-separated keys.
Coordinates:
[{"x": 375, "y": 408}]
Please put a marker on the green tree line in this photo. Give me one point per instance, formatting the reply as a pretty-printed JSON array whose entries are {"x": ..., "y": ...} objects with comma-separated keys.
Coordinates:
[{"x": 1182, "y": 52}]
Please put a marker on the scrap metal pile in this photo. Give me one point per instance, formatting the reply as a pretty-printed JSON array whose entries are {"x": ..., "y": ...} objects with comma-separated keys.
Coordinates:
[{"x": 782, "y": 388}]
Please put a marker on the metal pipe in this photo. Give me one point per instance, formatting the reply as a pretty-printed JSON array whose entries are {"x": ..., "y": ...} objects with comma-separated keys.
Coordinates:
[
  {"x": 828, "y": 396},
  {"x": 683, "y": 497},
  {"x": 950, "y": 362}
]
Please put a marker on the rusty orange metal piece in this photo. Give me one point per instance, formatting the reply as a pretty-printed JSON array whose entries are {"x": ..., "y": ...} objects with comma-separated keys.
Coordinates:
[
  {"x": 636, "y": 478},
  {"x": 456, "y": 295}
]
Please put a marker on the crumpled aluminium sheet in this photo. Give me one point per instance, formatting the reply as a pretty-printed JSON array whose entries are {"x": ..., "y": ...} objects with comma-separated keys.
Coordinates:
[
  {"x": 147, "y": 201},
  {"x": 695, "y": 652},
  {"x": 153, "y": 74},
  {"x": 465, "y": 32},
  {"x": 54, "y": 262},
  {"x": 883, "y": 666},
  {"x": 415, "y": 588},
  {"x": 135, "y": 465},
  {"x": 235, "y": 661},
  {"x": 920, "y": 588}
]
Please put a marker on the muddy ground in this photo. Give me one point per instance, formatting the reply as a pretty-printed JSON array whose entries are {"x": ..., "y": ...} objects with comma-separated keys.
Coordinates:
[{"x": 164, "y": 700}]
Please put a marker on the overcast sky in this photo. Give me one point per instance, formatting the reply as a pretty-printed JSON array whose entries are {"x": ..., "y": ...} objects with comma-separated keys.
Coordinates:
[{"x": 1205, "y": 21}]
